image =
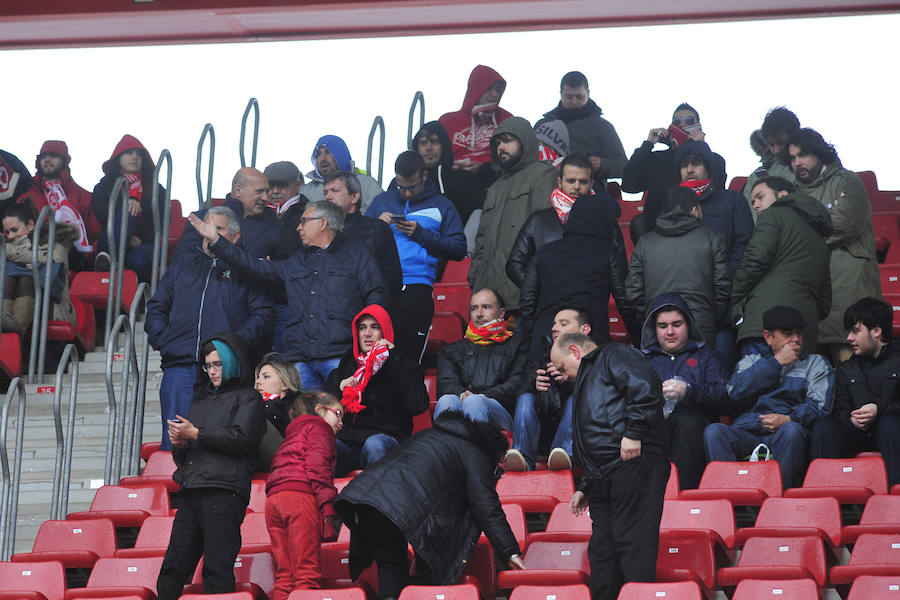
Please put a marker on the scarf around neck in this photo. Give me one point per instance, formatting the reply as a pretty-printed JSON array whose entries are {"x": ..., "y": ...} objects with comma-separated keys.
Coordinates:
[
  {"x": 698, "y": 185},
  {"x": 495, "y": 332},
  {"x": 369, "y": 364},
  {"x": 55, "y": 195},
  {"x": 562, "y": 204},
  {"x": 134, "y": 186}
]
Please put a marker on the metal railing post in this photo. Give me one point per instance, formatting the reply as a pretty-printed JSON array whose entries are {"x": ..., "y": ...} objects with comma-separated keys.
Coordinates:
[
  {"x": 252, "y": 103},
  {"x": 41, "y": 294},
  {"x": 161, "y": 229},
  {"x": 9, "y": 504},
  {"x": 62, "y": 468},
  {"x": 137, "y": 407},
  {"x": 116, "y": 254},
  {"x": 378, "y": 123},
  {"x": 116, "y": 437},
  {"x": 419, "y": 99},
  {"x": 204, "y": 200}
]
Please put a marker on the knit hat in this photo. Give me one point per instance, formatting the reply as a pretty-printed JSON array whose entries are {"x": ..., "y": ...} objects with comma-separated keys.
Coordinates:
[
  {"x": 283, "y": 170},
  {"x": 231, "y": 366},
  {"x": 783, "y": 318},
  {"x": 56, "y": 147},
  {"x": 554, "y": 134}
]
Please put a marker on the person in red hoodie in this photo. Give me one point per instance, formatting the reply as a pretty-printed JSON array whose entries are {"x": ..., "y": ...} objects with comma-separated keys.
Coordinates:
[
  {"x": 71, "y": 202},
  {"x": 472, "y": 126},
  {"x": 132, "y": 161},
  {"x": 300, "y": 490}
]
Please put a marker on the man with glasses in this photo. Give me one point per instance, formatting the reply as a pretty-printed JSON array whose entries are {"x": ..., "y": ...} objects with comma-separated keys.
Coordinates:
[{"x": 427, "y": 230}]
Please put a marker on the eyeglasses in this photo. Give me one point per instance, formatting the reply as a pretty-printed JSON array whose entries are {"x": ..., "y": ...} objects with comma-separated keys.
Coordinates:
[
  {"x": 684, "y": 121},
  {"x": 335, "y": 411},
  {"x": 410, "y": 188},
  {"x": 305, "y": 220},
  {"x": 217, "y": 366}
]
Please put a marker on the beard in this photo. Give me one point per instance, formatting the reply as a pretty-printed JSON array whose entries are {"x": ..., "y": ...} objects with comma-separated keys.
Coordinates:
[{"x": 52, "y": 173}]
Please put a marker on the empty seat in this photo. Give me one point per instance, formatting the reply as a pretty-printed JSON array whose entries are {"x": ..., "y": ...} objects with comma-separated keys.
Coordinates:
[
  {"x": 77, "y": 545},
  {"x": 781, "y": 517},
  {"x": 332, "y": 594},
  {"x": 446, "y": 327},
  {"x": 11, "y": 354},
  {"x": 630, "y": 209},
  {"x": 687, "y": 559},
  {"x": 452, "y": 297},
  {"x": 873, "y": 554},
  {"x": 556, "y": 592},
  {"x": 850, "y": 480},
  {"x": 159, "y": 469},
  {"x": 617, "y": 330},
  {"x": 253, "y": 573},
  {"x": 673, "y": 487},
  {"x": 257, "y": 496},
  {"x": 678, "y": 590},
  {"x": 778, "y": 558},
  {"x": 457, "y": 271},
  {"x": 233, "y": 596},
  {"x": 152, "y": 539},
  {"x": 867, "y": 587},
  {"x": 712, "y": 519},
  {"x": 758, "y": 589},
  {"x": 536, "y": 491},
  {"x": 742, "y": 483},
  {"x": 550, "y": 563},
  {"x": 32, "y": 581},
  {"x": 563, "y": 525},
  {"x": 465, "y": 591},
  {"x": 881, "y": 515},
  {"x": 126, "y": 506},
  {"x": 255, "y": 534},
  {"x": 114, "y": 577},
  {"x": 93, "y": 288},
  {"x": 886, "y": 233},
  {"x": 737, "y": 183}
]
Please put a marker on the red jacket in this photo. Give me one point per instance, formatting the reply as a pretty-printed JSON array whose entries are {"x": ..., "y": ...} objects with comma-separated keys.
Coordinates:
[
  {"x": 305, "y": 462},
  {"x": 80, "y": 199},
  {"x": 470, "y": 135}
]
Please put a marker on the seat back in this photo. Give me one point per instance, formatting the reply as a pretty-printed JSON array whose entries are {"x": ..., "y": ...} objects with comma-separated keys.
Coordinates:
[
  {"x": 548, "y": 592},
  {"x": 152, "y": 499},
  {"x": 160, "y": 464},
  {"x": 457, "y": 271},
  {"x": 673, "y": 487},
  {"x": 254, "y": 530},
  {"x": 47, "y": 578},
  {"x": 867, "y": 472},
  {"x": 866, "y": 587},
  {"x": 446, "y": 327},
  {"x": 333, "y": 594},
  {"x": 806, "y": 551},
  {"x": 691, "y": 558},
  {"x": 452, "y": 297},
  {"x": 876, "y": 549},
  {"x": 464, "y": 591},
  {"x": 567, "y": 556},
  {"x": 713, "y": 516},
  {"x": 882, "y": 510},
  {"x": 536, "y": 491},
  {"x": 257, "y": 496},
  {"x": 126, "y": 572},
  {"x": 764, "y": 476},
  {"x": 95, "y": 535},
  {"x": 795, "y": 589},
  {"x": 823, "y": 514},
  {"x": 679, "y": 590},
  {"x": 154, "y": 533},
  {"x": 562, "y": 519}
]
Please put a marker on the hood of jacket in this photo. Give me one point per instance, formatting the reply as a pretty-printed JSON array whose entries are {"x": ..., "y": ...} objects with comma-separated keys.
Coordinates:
[
  {"x": 520, "y": 128},
  {"x": 702, "y": 150},
  {"x": 676, "y": 222},
  {"x": 56, "y": 147},
  {"x": 242, "y": 380},
  {"x": 378, "y": 313},
  {"x": 484, "y": 435},
  {"x": 667, "y": 301},
  {"x": 590, "y": 216},
  {"x": 128, "y": 142},
  {"x": 338, "y": 148},
  {"x": 440, "y": 131},
  {"x": 810, "y": 210},
  {"x": 480, "y": 79}
]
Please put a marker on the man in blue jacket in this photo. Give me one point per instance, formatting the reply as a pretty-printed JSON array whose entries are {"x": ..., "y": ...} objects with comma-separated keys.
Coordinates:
[
  {"x": 197, "y": 298},
  {"x": 427, "y": 230}
]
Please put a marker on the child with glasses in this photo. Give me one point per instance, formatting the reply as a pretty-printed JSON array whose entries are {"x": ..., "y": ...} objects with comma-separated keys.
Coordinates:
[{"x": 300, "y": 491}]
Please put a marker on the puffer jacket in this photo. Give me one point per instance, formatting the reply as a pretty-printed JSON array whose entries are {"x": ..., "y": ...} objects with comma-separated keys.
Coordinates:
[
  {"x": 681, "y": 255},
  {"x": 518, "y": 192},
  {"x": 854, "y": 265},
  {"x": 617, "y": 393},
  {"x": 439, "y": 489},
  {"x": 392, "y": 397},
  {"x": 496, "y": 370},
  {"x": 325, "y": 289},
  {"x": 231, "y": 424},
  {"x": 862, "y": 381},
  {"x": 785, "y": 263}
]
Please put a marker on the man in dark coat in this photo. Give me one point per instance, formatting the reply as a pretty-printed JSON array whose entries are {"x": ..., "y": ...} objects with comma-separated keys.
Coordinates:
[
  {"x": 437, "y": 492},
  {"x": 693, "y": 379},
  {"x": 381, "y": 391},
  {"x": 866, "y": 412},
  {"x": 288, "y": 203},
  {"x": 619, "y": 441}
]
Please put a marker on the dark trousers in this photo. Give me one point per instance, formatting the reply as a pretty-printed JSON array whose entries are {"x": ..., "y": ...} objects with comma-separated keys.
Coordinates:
[
  {"x": 626, "y": 507},
  {"x": 686, "y": 438},
  {"x": 411, "y": 311},
  {"x": 375, "y": 537},
  {"x": 208, "y": 524},
  {"x": 835, "y": 438}
]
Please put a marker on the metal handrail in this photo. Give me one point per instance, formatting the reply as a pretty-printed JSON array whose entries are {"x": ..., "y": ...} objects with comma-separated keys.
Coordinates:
[
  {"x": 41, "y": 294},
  {"x": 419, "y": 99},
  {"x": 116, "y": 256},
  {"x": 208, "y": 130},
  {"x": 62, "y": 468},
  {"x": 115, "y": 440},
  {"x": 376, "y": 124},
  {"x": 161, "y": 230},
  {"x": 252, "y": 103},
  {"x": 137, "y": 408},
  {"x": 9, "y": 505}
]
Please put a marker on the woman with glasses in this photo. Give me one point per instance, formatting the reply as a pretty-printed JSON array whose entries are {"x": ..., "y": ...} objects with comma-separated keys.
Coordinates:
[{"x": 214, "y": 449}]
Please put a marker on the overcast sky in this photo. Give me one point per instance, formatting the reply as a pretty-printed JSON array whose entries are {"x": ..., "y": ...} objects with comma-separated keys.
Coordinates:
[{"x": 833, "y": 72}]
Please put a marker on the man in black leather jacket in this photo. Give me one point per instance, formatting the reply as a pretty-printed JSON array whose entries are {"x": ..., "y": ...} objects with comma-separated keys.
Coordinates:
[{"x": 619, "y": 440}]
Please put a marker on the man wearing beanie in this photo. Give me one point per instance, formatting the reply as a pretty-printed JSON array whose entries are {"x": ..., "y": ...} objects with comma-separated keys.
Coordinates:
[{"x": 781, "y": 391}]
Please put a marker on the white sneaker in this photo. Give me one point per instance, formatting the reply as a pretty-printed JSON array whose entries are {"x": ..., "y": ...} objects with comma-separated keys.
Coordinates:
[
  {"x": 515, "y": 461},
  {"x": 559, "y": 460}
]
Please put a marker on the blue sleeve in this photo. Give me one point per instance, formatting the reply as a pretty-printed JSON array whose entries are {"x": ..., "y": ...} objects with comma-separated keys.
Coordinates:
[
  {"x": 709, "y": 390},
  {"x": 160, "y": 306},
  {"x": 753, "y": 376},
  {"x": 450, "y": 243},
  {"x": 819, "y": 393}
]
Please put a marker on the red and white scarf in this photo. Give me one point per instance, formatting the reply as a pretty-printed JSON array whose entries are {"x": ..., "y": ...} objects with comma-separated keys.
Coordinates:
[
  {"x": 494, "y": 332},
  {"x": 698, "y": 185},
  {"x": 134, "y": 186},
  {"x": 369, "y": 364},
  {"x": 66, "y": 213},
  {"x": 562, "y": 204}
]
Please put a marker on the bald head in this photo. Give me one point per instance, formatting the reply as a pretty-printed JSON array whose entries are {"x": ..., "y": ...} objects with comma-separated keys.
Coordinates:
[{"x": 250, "y": 187}]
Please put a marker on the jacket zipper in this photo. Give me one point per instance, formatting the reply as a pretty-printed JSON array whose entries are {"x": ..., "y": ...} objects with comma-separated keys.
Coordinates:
[{"x": 202, "y": 299}]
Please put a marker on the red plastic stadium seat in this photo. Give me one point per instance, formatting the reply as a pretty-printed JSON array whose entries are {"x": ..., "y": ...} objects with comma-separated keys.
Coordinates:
[
  {"x": 563, "y": 525},
  {"x": 737, "y": 183},
  {"x": 795, "y": 589},
  {"x": 232, "y": 596},
  {"x": 77, "y": 545},
  {"x": 115, "y": 577},
  {"x": 126, "y": 506},
  {"x": 543, "y": 592},
  {"x": 778, "y": 558},
  {"x": 617, "y": 330},
  {"x": 465, "y": 591},
  {"x": 446, "y": 327},
  {"x": 457, "y": 271},
  {"x": 873, "y": 554},
  {"x": 32, "y": 581},
  {"x": 672, "y": 486},
  {"x": 780, "y": 517},
  {"x": 712, "y": 519},
  {"x": 452, "y": 297},
  {"x": 679, "y": 590},
  {"x": 421, "y": 422},
  {"x": 86, "y": 327},
  {"x": 536, "y": 491},
  {"x": 742, "y": 483},
  {"x": 871, "y": 184},
  {"x": 866, "y": 587},
  {"x": 895, "y": 490},
  {"x": 159, "y": 469},
  {"x": 550, "y": 563},
  {"x": 431, "y": 386},
  {"x": 515, "y": 516},
  {"x": 887, "y": 232},
  {"x": 630, "y": 209},
  {"x": 92, "y": 287},
  {"x": 481, "y": 569},
  {"x": 850, "y": 480},
  {"x": 333, "y": 594},
  {"x": 253, "y": 573},
  {"x": 147, "y": 449},
  {"x": 688, "y": 559},
  {"x": 11, "y": 354},
  {"x": 152, "y": 539},
  {"x": 890, "y": 279},
  {"x": 257, "y": 496},
  {"x": 254, "y": 534}
]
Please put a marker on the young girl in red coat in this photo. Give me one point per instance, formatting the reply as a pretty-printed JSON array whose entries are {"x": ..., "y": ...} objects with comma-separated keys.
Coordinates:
[{"x": 300, "y": 490}]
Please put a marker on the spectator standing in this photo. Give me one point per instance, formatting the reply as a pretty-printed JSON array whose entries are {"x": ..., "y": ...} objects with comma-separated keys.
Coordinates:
[
  {"x": 330, "y": 155},
  {"x": 777, "y": 127},
  {"x": 286, "y": 200}
]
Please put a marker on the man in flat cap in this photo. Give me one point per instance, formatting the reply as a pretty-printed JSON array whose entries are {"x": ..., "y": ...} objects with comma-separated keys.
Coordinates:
[
  {"x": 286, "y": 200},
  {"x": 781, "y": 392}
]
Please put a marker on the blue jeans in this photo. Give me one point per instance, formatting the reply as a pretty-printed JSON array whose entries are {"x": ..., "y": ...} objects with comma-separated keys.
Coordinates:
[
  {"x": 527, "y": 428},
  {"x": 789, "y": 445},
  {"x": 477, "y": 407},
  {"x": 351, "y": 456},
  {"x": 176, "y": 392},
  {"x": 140, "y": 259},
  {"x": 313, "y": 373}
]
